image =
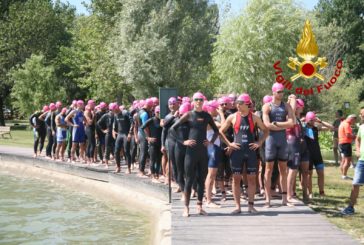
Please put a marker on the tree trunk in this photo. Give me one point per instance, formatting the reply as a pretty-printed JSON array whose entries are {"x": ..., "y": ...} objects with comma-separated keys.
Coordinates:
[{"x": 2, "y": 119}]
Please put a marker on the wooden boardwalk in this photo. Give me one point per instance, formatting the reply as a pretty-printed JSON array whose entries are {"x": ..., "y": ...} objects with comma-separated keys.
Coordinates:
[{"x": 276, "y": 225}]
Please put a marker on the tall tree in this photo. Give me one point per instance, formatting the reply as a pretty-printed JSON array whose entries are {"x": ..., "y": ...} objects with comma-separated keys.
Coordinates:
[
  {"x": 34, "y": 26},
  {"x": 35, "y": 84},
  {"x": 348, "y": 15},
  {"x": 164, "y": 44},
  {"x": 249, "y": 44}
]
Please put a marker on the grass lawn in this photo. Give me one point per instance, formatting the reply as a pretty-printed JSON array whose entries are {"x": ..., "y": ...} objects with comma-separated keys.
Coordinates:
[
  {"x": 21, "y": 138},
  {"x": 337, "y": 196}
]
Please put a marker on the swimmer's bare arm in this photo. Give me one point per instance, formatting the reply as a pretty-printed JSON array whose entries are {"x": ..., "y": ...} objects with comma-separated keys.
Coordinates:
[
  {"x": 224, "y": 127},
  {"x": 262, "y": 127},
  {"x": 69, "y": 117}
]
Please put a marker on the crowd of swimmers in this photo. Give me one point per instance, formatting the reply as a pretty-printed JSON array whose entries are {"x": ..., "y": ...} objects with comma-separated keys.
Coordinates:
[{"x": 210, "y": 145}]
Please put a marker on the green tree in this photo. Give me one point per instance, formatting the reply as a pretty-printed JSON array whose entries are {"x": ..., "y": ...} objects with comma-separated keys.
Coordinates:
[
  {"x": 27, "y": 27},
  {"x": 164, "y": 44},
  {"x": 348, "y": 15},
  {"x": 35, "y": 84},
  {"x": 249, "y": 44}
]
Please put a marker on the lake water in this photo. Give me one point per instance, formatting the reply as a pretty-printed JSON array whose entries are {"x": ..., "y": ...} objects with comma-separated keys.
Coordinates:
[{"x": 38, "y": 212}]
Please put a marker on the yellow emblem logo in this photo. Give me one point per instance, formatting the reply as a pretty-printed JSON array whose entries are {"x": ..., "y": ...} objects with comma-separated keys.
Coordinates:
[{"x": 307, "y": 49}]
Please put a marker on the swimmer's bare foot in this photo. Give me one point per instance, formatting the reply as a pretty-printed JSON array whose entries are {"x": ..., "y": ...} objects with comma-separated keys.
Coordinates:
[
  {"x": 193, "y": 193},
  {"x": 117, "y": 170},
  {"x": 252, "y": 210},
  {"x": 35, "y": 155},
  {"x": 128, "y": 171},
  {"x": 223, "y": 196},
  {"x": 200, "y": 211},
  {"x": 186, "y": 212},
  {"x": 267, "y": 205},
  {"x": 212, "y": 205},
  {"x": 236, "y": 211},
  {"x": 178, "y": 190},
  {"x": 106, "y": 166}
]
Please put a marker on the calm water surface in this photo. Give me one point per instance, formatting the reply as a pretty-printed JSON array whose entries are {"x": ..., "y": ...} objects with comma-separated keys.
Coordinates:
[{"x": 38, "y": 212}]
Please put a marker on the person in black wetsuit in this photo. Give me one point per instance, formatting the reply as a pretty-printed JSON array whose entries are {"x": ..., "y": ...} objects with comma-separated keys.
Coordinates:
[
  {"x": 133, "y": 142},
  {"x": 196, "y": 153},
  {"x": 100, "y": 135},
  {"x": 169, "y": 140},
  {"x": 122, "y": 127},
  {"x": 143, "y": 115},
  {"x": 49, "y": 118},
  {"x": 153, "y": 133},
  {"x": 243, "y": 149},
  {"x": 39, "y": 129},
  {"x": 224, "y": 169},
  {"x": 180, "y": 149},
  {"x": 105, "y": 123},
  {"x": 90, "y": 131}
]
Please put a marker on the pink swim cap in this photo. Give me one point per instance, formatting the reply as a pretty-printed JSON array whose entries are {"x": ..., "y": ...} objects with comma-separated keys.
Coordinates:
[
  {"x": 300, "y": 103},
  {"x": 277, "y": 87},
  {"x": 52, "y": 106},
  {"x": 267, "y": 99},
  {"x": 58, "y": 104},
  {"x": 198, "y": 95},
  {"x": 157, "y": 109},
  {"x": 212, "y": 105},
  {"x": 97, "y": 107},
  {"x": 45, "y": 108},
  {"x": 80, "y": 102},
  {"x": 103, "y": 105},
  {"x": 310, "y": 116},
  {"x": 172, "y": 101},
  {"x": 244, "y": 98},
  {"x": 186, "y": 100},
  {"x": 184, "y": 108},
  {"x": 90, "y": 102},
  {"x": 74, "y": 102},
  {"x": 113, "y": 106},
  {"x": 223, "y": 100},
  {"x": 155, "y": 100},
  {"x": 141, "y": 104},
  {"x": 232, "y": 97},
  {"x": 64, "y": 110},
  {"x": 88, "y": 108},
  {"x": 149, "y": 102}
]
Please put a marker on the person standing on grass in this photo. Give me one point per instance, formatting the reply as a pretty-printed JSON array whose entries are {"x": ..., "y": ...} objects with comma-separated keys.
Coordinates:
[
  {"x": 346, "y": 137},
  {"x": 336, "y": 124},
  {"x": 359, "y": 169},
  {"x": 312, "y": 127}
]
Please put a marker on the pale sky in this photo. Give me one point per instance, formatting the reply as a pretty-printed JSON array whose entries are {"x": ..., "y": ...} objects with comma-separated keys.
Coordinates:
[{"x": 236, "y": 5}]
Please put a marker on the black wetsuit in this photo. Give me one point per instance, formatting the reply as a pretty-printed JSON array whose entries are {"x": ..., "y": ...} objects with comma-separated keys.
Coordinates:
[
  {"x": 180, "y": 152},
  {"x": 100, "y": 135},
  {"x": 155, "y": 131},
  {"x": 196, "y": 158},
  {"x": 122, "y": 125},
  {"x": 90, "y": 134},
  {"x": 143, "y": 144},
  {"x": 40, "y": 131},
  {"x": 51, "y": 131},
  {"x": 133, "y": 144},
  {"x": 169, "y": 142},
  {"x": 224, "y": 169},
  {"x": 106, "y": 122}
]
